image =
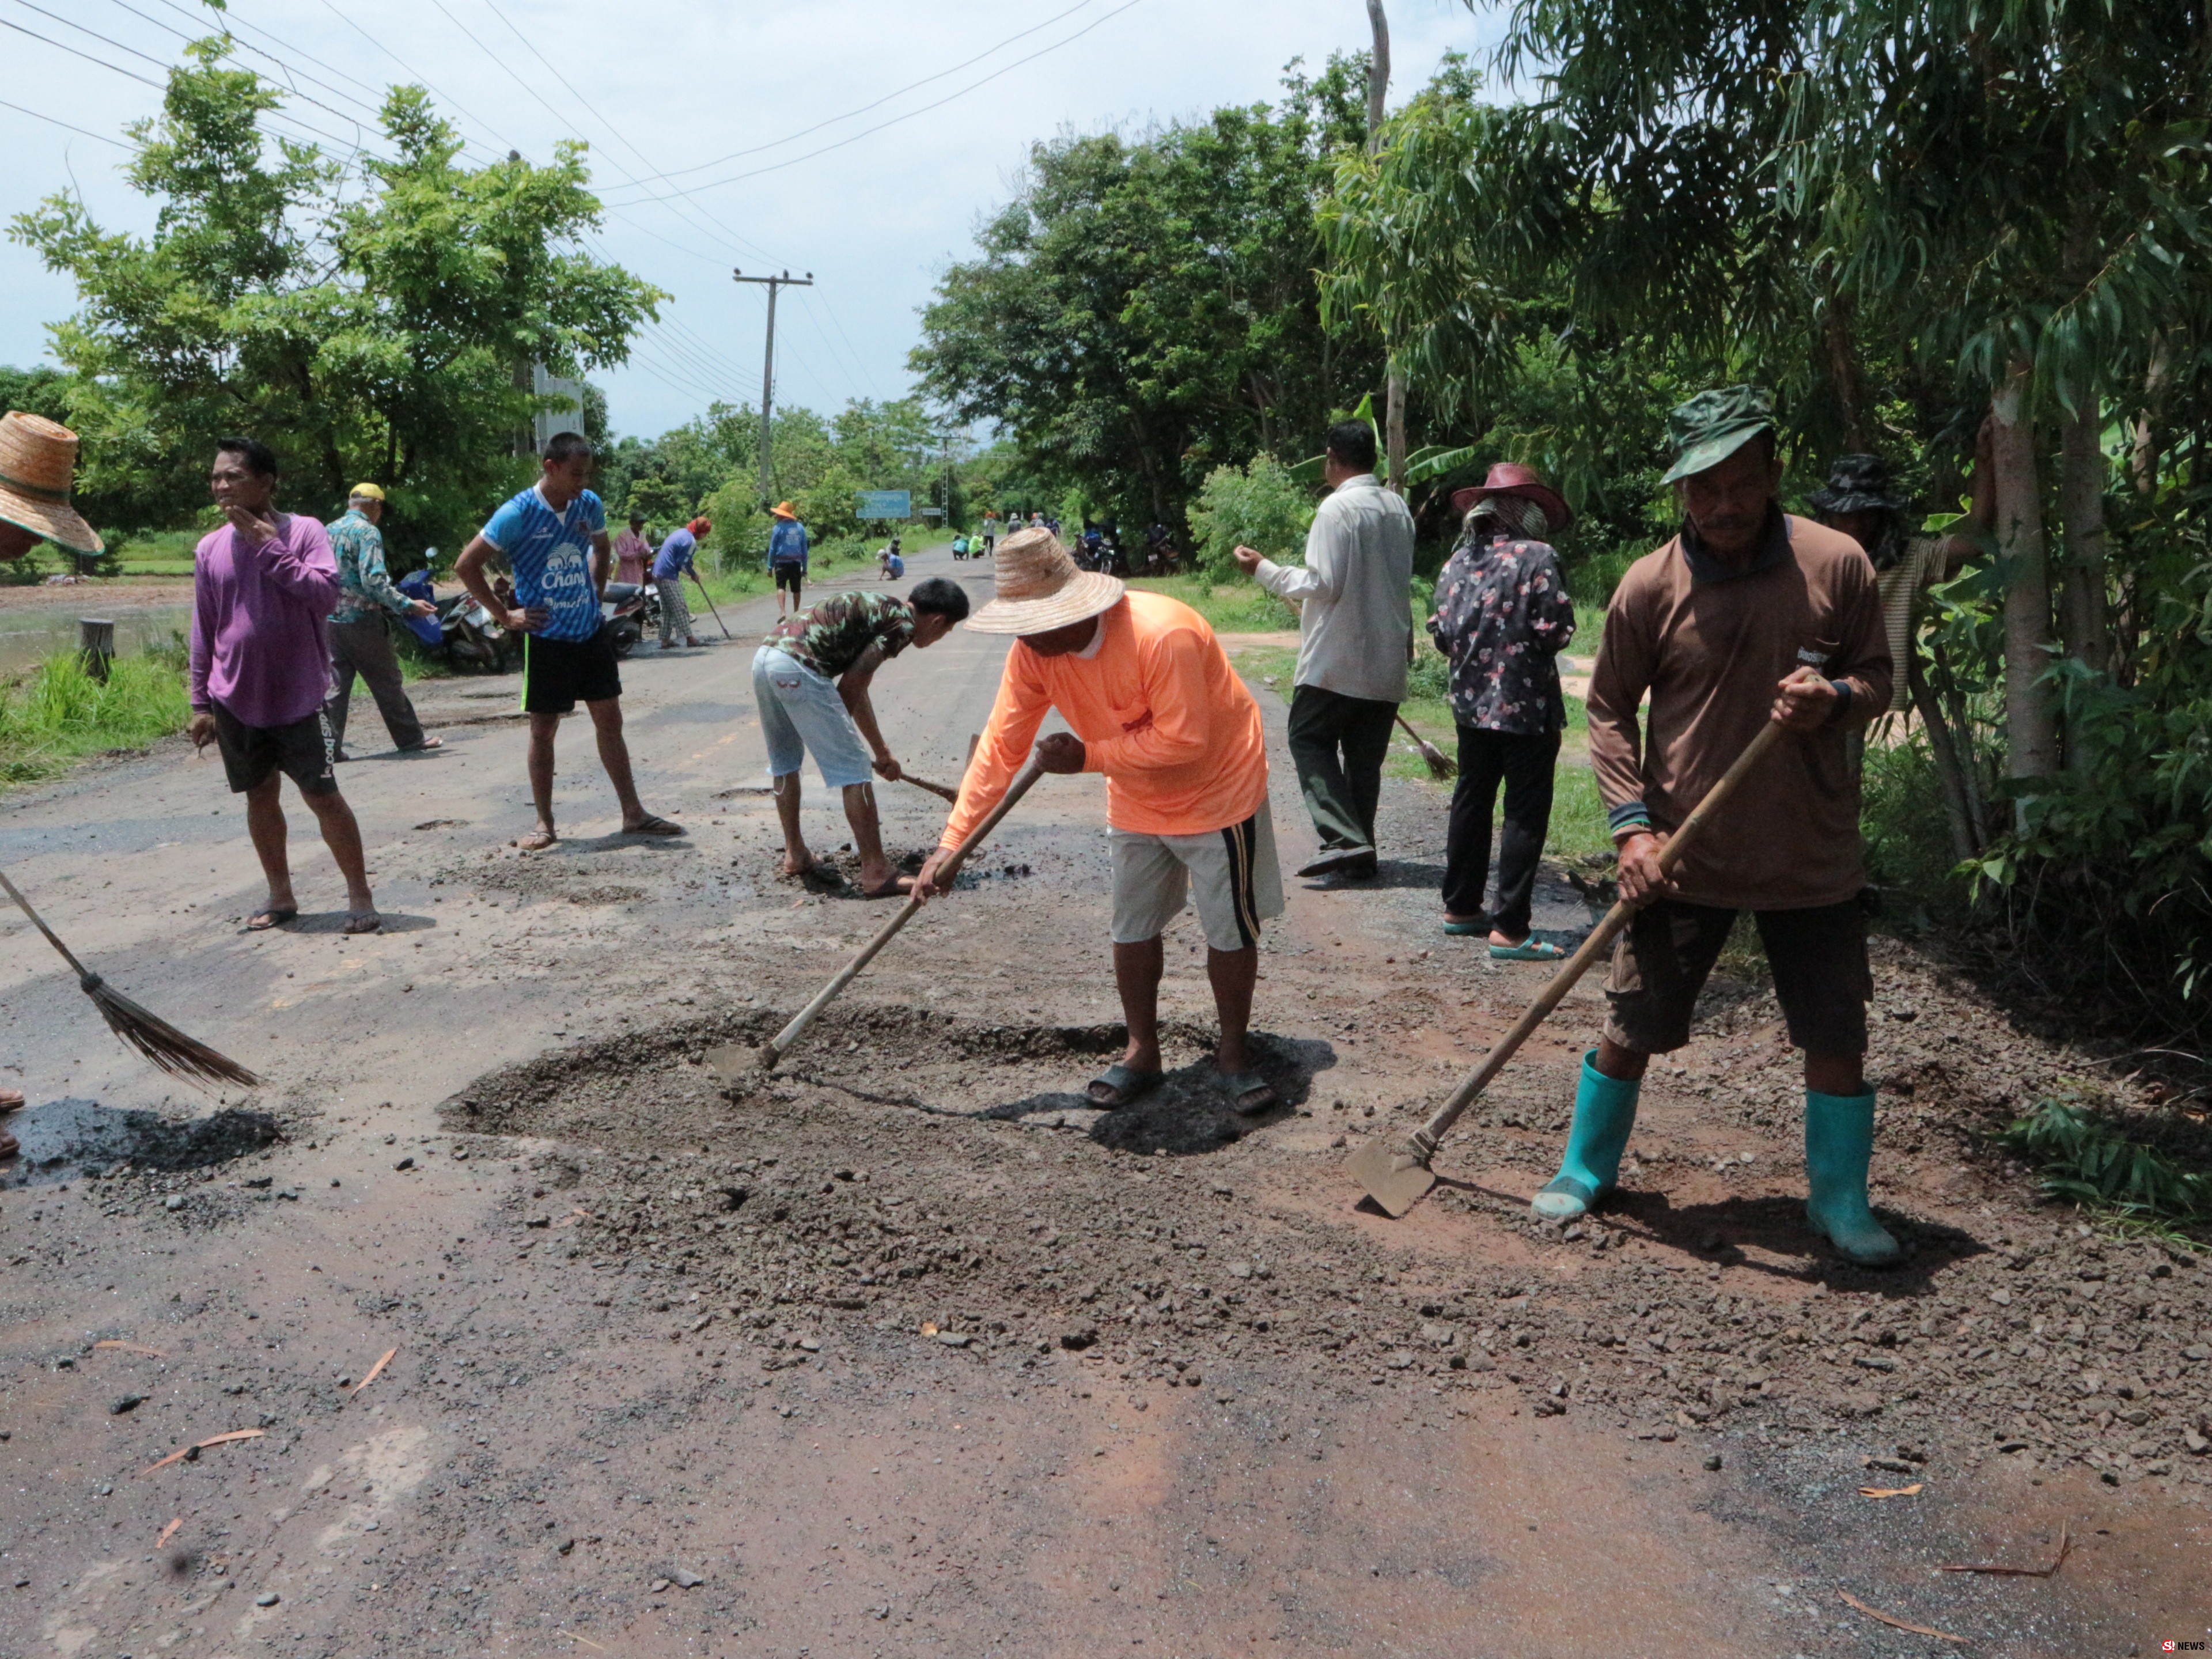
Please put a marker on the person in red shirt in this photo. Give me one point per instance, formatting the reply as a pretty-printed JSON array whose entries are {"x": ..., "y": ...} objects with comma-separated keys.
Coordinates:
[{"x": 1152, "y": 704}]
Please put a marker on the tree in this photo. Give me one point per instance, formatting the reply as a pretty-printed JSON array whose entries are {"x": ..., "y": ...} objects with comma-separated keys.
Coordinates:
[
  {"x": 365, "y": 320},
  {"x": 1145, "y": 310}
]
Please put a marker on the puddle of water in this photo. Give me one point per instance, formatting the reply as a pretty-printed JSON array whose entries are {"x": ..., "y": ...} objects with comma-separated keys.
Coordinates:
[
  {"x": 29, "y": 635},
  {"x": 63, "y": 1139}
]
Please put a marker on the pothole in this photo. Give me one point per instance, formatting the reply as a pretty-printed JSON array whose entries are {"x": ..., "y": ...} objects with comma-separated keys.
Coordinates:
[
  {"x": 656, "y": 1089},
  {"x": 66, "y": 1139}
]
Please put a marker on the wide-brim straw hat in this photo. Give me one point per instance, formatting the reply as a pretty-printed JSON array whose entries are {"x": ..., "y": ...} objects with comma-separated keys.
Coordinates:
[
  {"x": 1040, "y": 588},
  {"x": 784, "y": 510},
  {"x": 38, "y": 459}
]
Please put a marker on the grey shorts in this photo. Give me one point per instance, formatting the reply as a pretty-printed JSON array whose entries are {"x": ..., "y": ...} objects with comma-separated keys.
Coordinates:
[
  {"x": 1818, "y": 957},
  {"x": 801, "y": 714},
  {"x": 1233, "y": 872}
]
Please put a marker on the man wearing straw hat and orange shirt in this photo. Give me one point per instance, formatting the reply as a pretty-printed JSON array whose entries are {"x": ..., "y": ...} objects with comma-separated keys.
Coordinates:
[
  {"x": 37, "y": 459},
  {"x": 1152, "y": 703}
]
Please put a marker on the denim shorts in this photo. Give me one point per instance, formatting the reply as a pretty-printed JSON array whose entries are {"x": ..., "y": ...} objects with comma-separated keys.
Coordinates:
[{"x": 802, "y": 714}]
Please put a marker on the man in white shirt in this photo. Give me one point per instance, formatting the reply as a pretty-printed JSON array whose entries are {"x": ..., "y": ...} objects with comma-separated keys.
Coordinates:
[{"x": 1355, "y": 625}]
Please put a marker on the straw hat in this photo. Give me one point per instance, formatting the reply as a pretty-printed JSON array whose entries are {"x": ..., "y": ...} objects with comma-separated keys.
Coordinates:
[
  {"x": 1039, "y": 588},
  {"x": 37, "y": 459},
  {"x": 784, "y": 510}
]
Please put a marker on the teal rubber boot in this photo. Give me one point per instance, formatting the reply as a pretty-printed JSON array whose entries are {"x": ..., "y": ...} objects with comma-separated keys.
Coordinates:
[
  {"x": 1605, "y": 1111},
  {"x": 1839, "y": 1146}
]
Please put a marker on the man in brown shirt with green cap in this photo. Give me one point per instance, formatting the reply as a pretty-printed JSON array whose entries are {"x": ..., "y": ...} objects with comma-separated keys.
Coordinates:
[{"x": 1749, "y": 615}]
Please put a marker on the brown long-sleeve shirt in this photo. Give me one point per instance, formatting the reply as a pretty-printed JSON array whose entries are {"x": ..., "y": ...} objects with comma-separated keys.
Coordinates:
[{"x": 1709, "y": 646}]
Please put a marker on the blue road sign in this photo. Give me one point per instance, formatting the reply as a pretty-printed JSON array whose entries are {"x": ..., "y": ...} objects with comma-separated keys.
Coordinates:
[{"x": 885, "y": 504}]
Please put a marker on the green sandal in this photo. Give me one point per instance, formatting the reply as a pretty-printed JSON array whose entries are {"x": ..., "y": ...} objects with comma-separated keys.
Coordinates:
[{"x": 1530, "y": 949}]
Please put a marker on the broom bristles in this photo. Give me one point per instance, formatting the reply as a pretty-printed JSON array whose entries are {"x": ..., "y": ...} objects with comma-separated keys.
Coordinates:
[
  {"x": 1440, "y": 765},
  {"x": 162, "y": 1042}
]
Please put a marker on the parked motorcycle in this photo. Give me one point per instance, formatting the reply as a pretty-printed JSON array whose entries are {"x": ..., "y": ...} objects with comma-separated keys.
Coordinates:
[{"x": 623, "y": 611}]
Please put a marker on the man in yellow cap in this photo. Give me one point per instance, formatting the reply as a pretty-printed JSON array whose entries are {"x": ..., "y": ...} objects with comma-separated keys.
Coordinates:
[
  {"x": 359, "y": 642},
  {"x": 786, "y": 555},
  {"x": 36, "y": 459}
]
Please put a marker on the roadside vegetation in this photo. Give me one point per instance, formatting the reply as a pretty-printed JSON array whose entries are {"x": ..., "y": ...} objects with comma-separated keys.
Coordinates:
[{"x": 58, "y": 715}]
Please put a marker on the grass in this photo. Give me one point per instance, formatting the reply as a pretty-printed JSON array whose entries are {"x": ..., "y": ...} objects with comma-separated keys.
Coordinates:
[
  {"x": 58, "y": 715},
  {"x": 826, "y": 563},
  {"x": 1238, "y": 607},
  {"x": 1578, "y": 833}
]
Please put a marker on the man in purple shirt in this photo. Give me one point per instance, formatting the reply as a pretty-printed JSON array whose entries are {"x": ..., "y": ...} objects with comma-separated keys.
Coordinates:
[{"x": 260, "y": 671}]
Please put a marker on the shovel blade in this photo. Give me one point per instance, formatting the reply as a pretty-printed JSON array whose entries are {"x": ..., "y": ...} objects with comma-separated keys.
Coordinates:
[
  {"x": 738, "y": 1062},
  {"x": 1393, "y": 1177}
]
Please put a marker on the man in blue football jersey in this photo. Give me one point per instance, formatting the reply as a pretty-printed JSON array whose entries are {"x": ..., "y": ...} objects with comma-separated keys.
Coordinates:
[{"x": 554, "y": 537}]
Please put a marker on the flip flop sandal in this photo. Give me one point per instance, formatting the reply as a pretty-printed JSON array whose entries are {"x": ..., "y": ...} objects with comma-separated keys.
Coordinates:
[
  {"x": 1248, "y": 1091},
  {"x": 9, "y": 1146},
  {"x": 364, "y": 921},
  {"x": 1463, "y": 929},
  {"x": 262, "y": 920},
  {"x": 1123, "y": 1085},
  {"x": 653, "y": 826},
  {"x": 891, "y": 890},
  {"x": 12, "y": 1100},
  {"x": 1531, "y": 949},
  {"x": 426, "y": 743},
  {"x": 537, "y": 841}
]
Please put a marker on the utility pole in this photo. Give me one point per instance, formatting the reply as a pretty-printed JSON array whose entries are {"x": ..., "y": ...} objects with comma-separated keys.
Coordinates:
[
  {"x": 1394, "y": 395},
  {"x": 767, "y": 368}
]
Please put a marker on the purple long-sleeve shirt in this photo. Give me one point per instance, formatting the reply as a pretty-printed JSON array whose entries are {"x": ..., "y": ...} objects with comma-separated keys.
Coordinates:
[{"x": 259, "y": 645}]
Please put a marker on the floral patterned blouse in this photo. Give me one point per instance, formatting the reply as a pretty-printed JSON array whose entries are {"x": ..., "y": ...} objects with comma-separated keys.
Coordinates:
[{"x": 1502, "y": 616}]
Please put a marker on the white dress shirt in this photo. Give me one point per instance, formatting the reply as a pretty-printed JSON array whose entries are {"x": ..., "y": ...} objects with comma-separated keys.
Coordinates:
[{"x": 1355, "y": 593}]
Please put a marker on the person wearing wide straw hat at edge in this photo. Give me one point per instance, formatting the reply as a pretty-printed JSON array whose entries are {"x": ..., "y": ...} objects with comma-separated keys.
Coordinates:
[
  {"x": 38, "y": 459},
  {"x": 1750, "y": 615},
  {"x": 1151, "y": 703},
  {"x": 1502, "y": 616}
]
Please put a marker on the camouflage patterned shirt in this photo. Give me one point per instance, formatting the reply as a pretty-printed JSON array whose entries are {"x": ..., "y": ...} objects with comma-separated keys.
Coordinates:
[{"x": 830, "y": 637}]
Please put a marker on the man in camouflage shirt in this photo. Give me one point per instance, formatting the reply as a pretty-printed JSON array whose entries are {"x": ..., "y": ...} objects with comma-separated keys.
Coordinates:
[
  {"x": 810, "y": 680},
  {"x": 360, "y": 643}
]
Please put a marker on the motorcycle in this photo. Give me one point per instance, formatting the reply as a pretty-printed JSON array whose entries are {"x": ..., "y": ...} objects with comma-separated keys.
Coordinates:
[
  {"x": 459, "y": 631},
  {"x": 626, "y": 610}
]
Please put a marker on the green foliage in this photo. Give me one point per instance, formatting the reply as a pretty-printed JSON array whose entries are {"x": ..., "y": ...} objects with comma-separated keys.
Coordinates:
[
  {"x": 2090, "y": 1163},
  {"x": 364, "y": 318},
  {"x": 58, "y": 714},
  {"x": 1260, "y": 506},
  {"x": 1146, "y": 310}
]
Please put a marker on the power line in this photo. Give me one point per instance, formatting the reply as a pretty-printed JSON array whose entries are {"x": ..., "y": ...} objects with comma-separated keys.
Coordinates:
[
  {"x": 844, "y": 367},
  {"x": 50, "y": 121},
  {"x": 614, "y": 132},
  {"x": 158, "y": 86},
  {"x": 777, "y": 167},
  {"x": 418, "y": 80},
  {"x": 792, "y": 138},
  {"x": 290, "y": 69}
]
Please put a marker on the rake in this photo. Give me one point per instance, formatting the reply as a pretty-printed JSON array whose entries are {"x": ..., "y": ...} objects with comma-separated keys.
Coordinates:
[{"x": 150, "y": 1035}]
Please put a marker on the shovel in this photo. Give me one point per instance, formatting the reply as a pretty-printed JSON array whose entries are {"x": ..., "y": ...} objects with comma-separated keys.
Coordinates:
[
  {"x": 735, "y": 1063},
  {"x": 1398, "y": 1180}
]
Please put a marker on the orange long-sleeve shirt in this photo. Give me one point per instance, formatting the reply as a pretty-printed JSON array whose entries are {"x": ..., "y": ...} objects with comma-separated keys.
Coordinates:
[{"x": 1160, "y": 712}]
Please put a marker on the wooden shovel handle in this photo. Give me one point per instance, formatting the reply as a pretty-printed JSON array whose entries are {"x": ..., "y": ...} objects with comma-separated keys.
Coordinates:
[
  {"x": 1429, "y": 1135},
  {"x": 781, "y": 1045}
]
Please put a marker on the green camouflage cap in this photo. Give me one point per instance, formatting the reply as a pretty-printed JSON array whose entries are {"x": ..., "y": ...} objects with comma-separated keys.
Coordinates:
[{"x": 1713, "y": 425}]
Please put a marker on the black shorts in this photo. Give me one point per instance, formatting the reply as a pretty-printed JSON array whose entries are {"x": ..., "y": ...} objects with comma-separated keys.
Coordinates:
[
  {"x": 790, "y": 576},
  {"x": 1818, "y": 956},
  {"x": 558, "y": 674},
  {"x": 302, "y": 750}
]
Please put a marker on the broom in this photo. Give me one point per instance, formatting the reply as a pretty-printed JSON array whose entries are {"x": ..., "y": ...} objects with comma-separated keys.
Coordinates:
[
  {"x": 151, "y": 1036},
  {"x": 1440, "y": 765}
]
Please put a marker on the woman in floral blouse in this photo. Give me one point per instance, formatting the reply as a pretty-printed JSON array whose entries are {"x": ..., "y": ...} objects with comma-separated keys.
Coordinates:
[{"x": 1502, "y": 616}]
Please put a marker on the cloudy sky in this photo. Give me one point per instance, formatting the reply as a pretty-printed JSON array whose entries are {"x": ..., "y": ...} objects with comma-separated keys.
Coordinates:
[{"x": 930, "y": 109}]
